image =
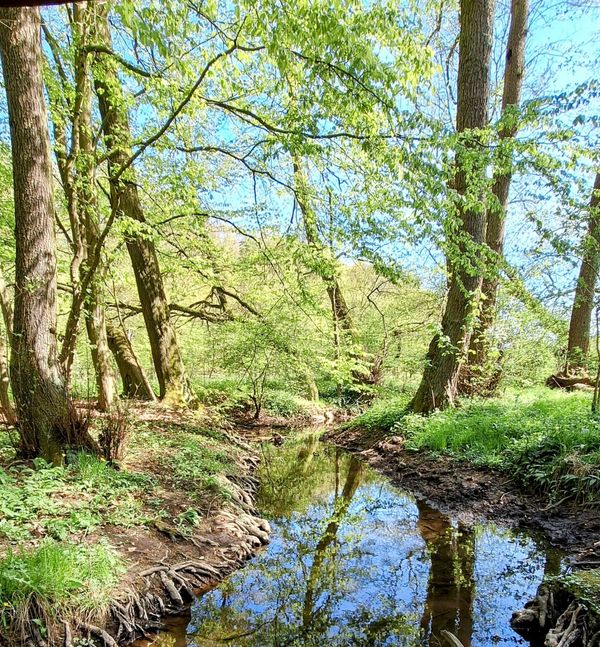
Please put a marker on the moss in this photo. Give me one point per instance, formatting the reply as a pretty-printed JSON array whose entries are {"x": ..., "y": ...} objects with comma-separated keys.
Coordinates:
[{"x": 585, "y": 587}]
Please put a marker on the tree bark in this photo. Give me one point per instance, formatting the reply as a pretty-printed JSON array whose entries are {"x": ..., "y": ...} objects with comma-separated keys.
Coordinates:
[
  {"x": 438, "y": 388},
  {"x": 125, "y": 199},
  {"x": 95, "y": 314},
  {"x": 475, "y": 377},
  {"x": 133, "y": 377},
  {"x": 583, "y": 303},
  {"x": 39, "y": 389}
]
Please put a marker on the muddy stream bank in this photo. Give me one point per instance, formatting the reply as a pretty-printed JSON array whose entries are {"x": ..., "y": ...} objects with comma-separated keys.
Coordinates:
[{"x": 354, "y": 560}]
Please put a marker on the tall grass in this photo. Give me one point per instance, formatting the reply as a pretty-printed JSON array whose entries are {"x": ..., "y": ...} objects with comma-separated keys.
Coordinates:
[
  {"x": 546, "y": 439},
  {"x": 55, "y": 581}
]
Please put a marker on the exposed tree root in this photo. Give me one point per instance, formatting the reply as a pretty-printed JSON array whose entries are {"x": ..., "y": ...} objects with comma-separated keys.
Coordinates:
[{"x": 559, "y": 619}]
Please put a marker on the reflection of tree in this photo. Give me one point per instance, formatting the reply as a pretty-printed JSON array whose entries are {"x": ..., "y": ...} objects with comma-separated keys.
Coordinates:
[
  {"x": 552, "y": 565},
  {"x": 449, "y": 603},
  {"x": 340, "y": 509},
  {"x": 291, "y": 476}
]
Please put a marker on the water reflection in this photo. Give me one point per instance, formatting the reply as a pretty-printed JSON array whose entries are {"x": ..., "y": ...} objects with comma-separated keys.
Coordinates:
[{"x": 356, "y": 562}]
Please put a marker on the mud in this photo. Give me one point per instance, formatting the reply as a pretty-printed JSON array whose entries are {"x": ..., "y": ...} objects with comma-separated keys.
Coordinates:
[{"x": 471, "y": 493}]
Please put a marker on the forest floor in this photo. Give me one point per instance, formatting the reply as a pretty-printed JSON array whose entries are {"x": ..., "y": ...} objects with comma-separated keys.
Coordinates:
[
  {"x": 120, "y": 549},
  {"x": 89, "y": 550}
]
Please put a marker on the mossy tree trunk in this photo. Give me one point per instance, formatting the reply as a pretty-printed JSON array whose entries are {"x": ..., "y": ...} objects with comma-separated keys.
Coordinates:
[
  {"x": 125, "y": 199},
  {"x": 41, "y": 398},
  {"x": 583, "y": 302},
  {"x": 479, "y": 375},
  {"x": 133, "y": 378},
  {"x": 447, "y": 351},
  {"x": 76, "y": 164}
]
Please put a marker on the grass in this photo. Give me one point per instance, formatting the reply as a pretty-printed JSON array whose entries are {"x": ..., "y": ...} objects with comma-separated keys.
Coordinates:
[
  {"x": 192, "y": 459},
  {"x": 42, "y": 500},
  {"x": 56, "y": 580},
  {"x": 548, "y": 440},
  {"x": 382, "y": 415},
  {"x": 53, "y": 566}
]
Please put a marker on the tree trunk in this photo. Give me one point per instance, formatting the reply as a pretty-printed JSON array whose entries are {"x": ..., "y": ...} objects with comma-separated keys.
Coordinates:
[
  {"x": 475, "y": 375},
  {"x": 6, "y": 407},
  {"x": 38, "y": 386},
  {"x": 447, "y": 351},
  {"x": 76, "y": 164},
  {"x": 583, "y": 303},
  {"x": 5, "y": 401},
  {"x": 95, "y": 315},
  {"x": 125, "y": 199},
  {"x": 343, "y": 326},
  {"x": 133, "y": 377}
]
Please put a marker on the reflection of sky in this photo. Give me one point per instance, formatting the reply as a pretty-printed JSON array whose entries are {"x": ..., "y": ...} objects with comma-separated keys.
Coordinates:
[{"x": 380, "y": 570}]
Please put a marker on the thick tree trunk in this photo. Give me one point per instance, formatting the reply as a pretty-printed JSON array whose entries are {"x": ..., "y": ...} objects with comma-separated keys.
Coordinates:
[
  {"x": 475, "y": 377},
  {"x": 135, "y": 382},
  {"x": 583, "y": 303},
  {"x": 125, "y": 199},
  {"x": 38, "y": 386},
  {"x": 447, "y": 351}
]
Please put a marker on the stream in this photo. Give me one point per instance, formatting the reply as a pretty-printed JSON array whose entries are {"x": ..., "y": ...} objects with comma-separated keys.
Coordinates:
[{"x": 356, "y": 561}]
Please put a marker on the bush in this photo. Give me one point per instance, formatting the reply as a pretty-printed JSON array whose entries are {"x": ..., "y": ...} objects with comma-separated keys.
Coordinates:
[
  {"x": 286, "y": 404},
  {"x": 115, "y": 428}
]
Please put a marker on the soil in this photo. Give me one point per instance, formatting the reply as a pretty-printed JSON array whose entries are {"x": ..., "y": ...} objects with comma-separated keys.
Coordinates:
[
  {"x": 471, "y": 493},
  {"x": 165, "y": 568}
]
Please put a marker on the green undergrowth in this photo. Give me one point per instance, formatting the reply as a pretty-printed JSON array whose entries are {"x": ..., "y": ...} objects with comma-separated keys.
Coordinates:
[
  {"x": 385, "y": 412},
  {"x": 585, "y": 586},
  {"x": 54, "y": 582},
  {"x": 191, "y": 458},
  {"x": 545, "y": 439},
  {"x": 38, "y": 500},
  {"x": 225, "y": 398},
  {"x": 56, "y": 522}
]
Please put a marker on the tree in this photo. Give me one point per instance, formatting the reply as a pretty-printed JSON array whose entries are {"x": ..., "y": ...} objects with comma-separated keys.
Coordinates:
[
  {"x": 133, "y": 378},
  {"x": 43, "y": 407},
  {"x": 126, "y": 201},
  {"x": 466, "y": 232},
  {"x": 75, "y": 158},
  {"x": 583, "y": 302},
  {"x": 344, "y": 331},
  {"x": 476, "y": 375}
]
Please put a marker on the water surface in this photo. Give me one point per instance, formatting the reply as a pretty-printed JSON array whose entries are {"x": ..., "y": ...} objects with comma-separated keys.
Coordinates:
[{"x": 355, "y": 561}]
